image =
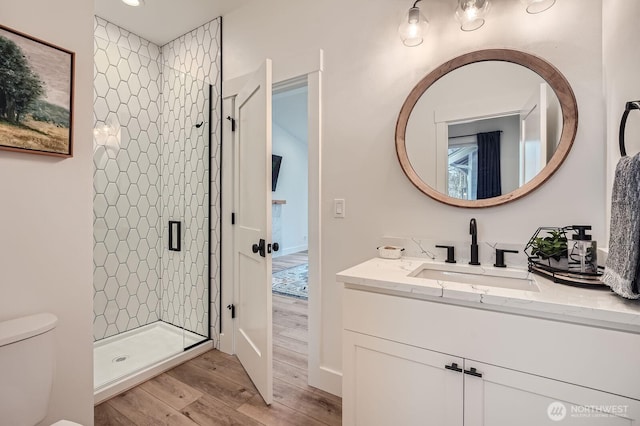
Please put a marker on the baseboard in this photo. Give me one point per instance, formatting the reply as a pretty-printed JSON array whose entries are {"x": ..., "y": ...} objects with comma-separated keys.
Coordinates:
[
  {"x": 291, "y": 250},
  {"x": 326, "y": 379},
  {"x": 226, "y": 343}
]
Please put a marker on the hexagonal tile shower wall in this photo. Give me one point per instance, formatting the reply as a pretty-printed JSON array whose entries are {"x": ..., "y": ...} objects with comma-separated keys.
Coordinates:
[{"x": 151, "y": 166}]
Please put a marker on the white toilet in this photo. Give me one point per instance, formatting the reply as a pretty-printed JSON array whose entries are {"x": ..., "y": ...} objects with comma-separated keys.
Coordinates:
[{"x": 27, "y": 361}]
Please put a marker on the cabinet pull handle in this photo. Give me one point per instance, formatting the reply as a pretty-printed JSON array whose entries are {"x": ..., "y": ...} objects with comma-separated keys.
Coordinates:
[
  {"x": 453, "y": 367},
  {"x": 473, "y": 372}
]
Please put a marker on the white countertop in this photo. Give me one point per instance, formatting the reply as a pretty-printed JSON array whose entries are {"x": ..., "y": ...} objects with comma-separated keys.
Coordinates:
[{"x": 556, "y": 301}]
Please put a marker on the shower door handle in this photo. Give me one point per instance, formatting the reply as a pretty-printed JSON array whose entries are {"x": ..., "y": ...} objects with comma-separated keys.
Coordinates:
[
  {"x": 175, "y": 234},
  {"x": 260, "y": 248}
]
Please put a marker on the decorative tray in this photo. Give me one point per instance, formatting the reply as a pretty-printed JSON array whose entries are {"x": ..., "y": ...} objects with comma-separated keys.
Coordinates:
[{"x": 549, "y": 256}]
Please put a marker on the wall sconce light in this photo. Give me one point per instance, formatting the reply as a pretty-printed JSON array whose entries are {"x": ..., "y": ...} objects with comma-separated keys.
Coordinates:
[
  {"x": 471, "y": 13},
  {"x": 537, "y": 6},
  {"x": 414, "y": 27}
]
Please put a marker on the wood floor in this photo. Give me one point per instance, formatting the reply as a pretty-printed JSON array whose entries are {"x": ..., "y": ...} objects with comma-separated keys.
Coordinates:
[
  {"x": 213, "y": 389},
  {"x": 289, "y": 261}
]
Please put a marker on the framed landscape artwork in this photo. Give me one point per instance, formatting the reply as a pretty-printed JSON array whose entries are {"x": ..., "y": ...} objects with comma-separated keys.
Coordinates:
[{"x": 36, "y": 95}]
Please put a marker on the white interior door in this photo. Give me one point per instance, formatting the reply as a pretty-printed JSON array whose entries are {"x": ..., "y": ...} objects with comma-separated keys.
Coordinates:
[{"x": 252, "y": 231}]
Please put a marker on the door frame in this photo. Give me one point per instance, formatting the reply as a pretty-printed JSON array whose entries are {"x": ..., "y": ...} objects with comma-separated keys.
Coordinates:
[{"x": 309, "y": 65}]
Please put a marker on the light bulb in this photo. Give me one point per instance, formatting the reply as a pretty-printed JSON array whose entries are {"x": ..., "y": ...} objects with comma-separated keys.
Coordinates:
[
  {"x": 471, "y": 13},
  {"x": 537, "y": 6},
  {"x": 413, "y": 28},
  {"x": 133, "y": 2}
]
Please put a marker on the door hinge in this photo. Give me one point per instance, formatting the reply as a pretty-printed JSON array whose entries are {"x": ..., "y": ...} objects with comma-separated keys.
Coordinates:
[
  {"x": 232, "y": 307},
  {"x": 233, "y": 123},
  {"x": 233, "y": 218}
]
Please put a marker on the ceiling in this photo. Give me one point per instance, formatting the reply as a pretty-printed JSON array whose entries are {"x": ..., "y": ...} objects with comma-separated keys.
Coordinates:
[{"x": 161, "y": 21}]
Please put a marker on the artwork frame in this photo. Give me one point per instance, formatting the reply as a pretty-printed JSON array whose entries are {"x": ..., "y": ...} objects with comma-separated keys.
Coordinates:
[{"x": 36, "y": 95}]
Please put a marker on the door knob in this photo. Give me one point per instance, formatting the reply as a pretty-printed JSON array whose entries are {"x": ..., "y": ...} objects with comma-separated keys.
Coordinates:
[
  {"x": 259, "y": 248},
  {"x": 276, "y": 246}
]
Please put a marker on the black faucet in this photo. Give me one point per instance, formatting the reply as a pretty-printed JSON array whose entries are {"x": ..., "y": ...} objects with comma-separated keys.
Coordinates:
[
  {"x": 473, "y": 230},
  {"x": 451, "y": 258},
  {"x": 500, "y": 257}
]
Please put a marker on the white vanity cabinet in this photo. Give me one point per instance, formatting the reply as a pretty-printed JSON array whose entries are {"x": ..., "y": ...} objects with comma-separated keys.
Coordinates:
[
  {"x": 388, "y": 383},
  {"x": 504, "y": 397},
  {"x": 410, "y": 361}
]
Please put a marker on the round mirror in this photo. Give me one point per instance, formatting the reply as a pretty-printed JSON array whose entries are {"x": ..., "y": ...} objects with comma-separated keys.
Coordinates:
[{"x": 486, "y": 128}]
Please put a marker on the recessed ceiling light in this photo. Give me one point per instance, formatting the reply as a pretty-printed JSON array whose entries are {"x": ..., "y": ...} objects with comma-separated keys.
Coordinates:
[{"x": 133, "y": 2}]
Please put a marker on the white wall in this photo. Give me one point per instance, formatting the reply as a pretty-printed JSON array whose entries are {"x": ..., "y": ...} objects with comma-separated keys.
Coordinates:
[
  {"x": 126, "y": 275},
  {"x": 292, "y": 187},
  {"x": 46, "y": 216},
  {"x": 620, "y": 32},
  {"x": 368, "y": 74}
]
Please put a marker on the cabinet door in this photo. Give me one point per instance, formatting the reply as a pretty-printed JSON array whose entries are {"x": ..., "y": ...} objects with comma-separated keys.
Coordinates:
[
  {"x": 503, "y": 397},
  {"x": 388, "y": 383}
]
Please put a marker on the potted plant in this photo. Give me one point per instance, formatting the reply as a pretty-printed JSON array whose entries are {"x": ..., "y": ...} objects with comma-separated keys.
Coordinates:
[
  {"x": 549, "y": 245},
  {"x": 553, "y": 245}
]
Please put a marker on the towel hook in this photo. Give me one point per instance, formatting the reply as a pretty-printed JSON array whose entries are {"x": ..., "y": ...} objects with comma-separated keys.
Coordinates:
[{"x": 623, "y": 123}]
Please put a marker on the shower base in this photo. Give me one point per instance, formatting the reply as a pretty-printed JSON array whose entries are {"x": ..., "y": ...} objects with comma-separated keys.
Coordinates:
[{"x": 128, "y": 359}]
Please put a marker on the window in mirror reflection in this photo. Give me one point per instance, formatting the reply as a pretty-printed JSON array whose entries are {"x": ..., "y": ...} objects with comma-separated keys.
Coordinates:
[
  {"x": 463, "y": 162},
  {"x": 492, "y": 167}
]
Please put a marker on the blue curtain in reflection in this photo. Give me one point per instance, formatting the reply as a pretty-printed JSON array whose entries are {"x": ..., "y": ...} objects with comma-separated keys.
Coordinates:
[{"x": 489, "y": 165}]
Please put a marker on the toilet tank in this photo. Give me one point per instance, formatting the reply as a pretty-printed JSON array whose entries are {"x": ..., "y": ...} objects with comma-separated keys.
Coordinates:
[{"x": 27, "y": 360}]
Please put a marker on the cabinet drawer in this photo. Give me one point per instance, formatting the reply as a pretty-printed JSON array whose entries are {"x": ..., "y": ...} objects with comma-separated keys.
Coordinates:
[{"x": 589, "y": 356}]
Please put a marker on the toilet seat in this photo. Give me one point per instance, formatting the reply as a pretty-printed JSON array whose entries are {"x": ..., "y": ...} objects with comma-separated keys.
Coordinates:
[{"x": 65, "y": 423}]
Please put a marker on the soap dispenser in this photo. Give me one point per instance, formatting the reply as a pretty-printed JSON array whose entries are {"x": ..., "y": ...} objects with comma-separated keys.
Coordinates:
[{"x": 585, "y": 249}]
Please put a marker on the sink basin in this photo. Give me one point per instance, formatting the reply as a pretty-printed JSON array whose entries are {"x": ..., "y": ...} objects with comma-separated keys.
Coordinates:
[{"x": 513, "y": 279}]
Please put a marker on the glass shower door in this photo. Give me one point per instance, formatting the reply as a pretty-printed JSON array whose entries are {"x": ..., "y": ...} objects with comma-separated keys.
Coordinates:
[
  {"x": 173, "y": 204},
  {"x": 186, "y": 179},
  {"x": 197, "y": 179}
]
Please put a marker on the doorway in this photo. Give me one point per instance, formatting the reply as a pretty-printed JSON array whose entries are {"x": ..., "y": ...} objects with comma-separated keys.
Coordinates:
[
  {"x": 289, "y": 185},
  {"x": 307, "y": 67},
  {"x": 290, "y": 264}
]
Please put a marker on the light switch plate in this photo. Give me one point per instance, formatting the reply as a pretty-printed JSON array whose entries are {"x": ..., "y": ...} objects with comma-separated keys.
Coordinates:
[{"x": 339, "y": 207}]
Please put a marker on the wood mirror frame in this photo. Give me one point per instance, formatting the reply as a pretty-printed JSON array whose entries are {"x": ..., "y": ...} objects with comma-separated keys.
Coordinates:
[{"x": 548, "y": 72}]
